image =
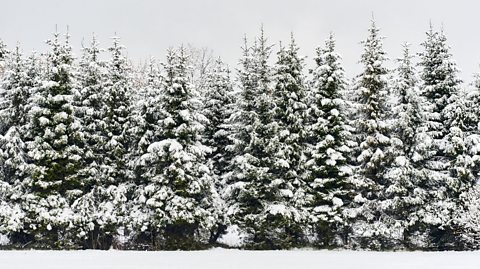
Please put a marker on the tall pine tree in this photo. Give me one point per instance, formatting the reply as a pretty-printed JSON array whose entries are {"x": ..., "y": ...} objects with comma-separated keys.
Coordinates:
[
  {"x": 52, "y": 147},
  {"x": 178, "y": 190},
  {"x": 90, "y": 109},
  {"x": 328, "y": 147},
  {"x": 259, "y": 203},
  {"x": 440, "y": 86},
  {"x": 373, "y": 156}
]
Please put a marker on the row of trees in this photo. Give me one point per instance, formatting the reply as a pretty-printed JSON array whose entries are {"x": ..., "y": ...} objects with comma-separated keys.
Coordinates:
[{"x": 98, "y": 153}]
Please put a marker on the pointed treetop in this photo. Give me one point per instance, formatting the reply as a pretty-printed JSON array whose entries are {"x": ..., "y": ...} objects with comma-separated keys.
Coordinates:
[
  {"x": 330, "y": 42},
  {"x": 3, "y": 50}
]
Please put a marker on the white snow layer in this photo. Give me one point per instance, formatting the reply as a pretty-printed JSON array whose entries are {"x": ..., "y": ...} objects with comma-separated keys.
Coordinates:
[{"x": 233, "y": 259}]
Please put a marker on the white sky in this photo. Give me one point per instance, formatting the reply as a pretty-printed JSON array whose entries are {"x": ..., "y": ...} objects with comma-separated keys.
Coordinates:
[{"x": 149, "y": 27}]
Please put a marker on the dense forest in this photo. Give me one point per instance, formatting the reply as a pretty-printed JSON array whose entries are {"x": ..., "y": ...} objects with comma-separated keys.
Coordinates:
[{"x": 97, "y": 152}]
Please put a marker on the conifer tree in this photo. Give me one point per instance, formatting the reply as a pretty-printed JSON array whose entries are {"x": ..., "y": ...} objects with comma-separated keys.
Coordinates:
[
  {"x": 257, "y": 200},
  {"x": 112, "y": 174},
  {"x": 285, "y": 148},
  {"x": 373, "y": 154},
  {"x": 440, "y": 86},
  {"x": 328, "y": 147},
  {"x": 52, "y": 147},
  {"x": 14, "y": 94},
  {"x": 405, "y": 196},
  {"x": 467, "y": 216},
  {"x": 117, "y": 100},
  {"x": 290, "y": 114},
  {"x": 218, "y": 108},
  {"x": 148, "y": 118},
  {"x": 89, "y": 104},
  {"x": 178, "y": 191}
]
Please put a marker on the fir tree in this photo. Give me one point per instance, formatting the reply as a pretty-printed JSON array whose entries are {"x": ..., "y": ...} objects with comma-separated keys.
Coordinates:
[
  {"x": 405, "y": 196},
  {"x": 91, "y": 227},
  {"x": 259, "y": 203},
  {"x": 373, "y": 155},
  {"x": 178, "y": 193},
  {"x": 15, "y": 92},
  {"x": 148, "y": 117},
  {"x": 328, "y": 147},
  {"x": 440, "y": 86},
  {"x": 52, "y": 148},
  {"x": 112, "y": 173},
  {"x": 117, "y": 100},
  {"x": 218, "y": 108},
  {"x": 14, "y": 96}
]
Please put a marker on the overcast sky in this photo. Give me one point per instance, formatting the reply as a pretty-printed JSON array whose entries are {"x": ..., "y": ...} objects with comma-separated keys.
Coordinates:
[{"x": 148, "y": 27}]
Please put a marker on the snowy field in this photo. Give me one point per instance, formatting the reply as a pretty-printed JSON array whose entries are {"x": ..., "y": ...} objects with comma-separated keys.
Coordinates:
[{"x": 233, "y": 259}]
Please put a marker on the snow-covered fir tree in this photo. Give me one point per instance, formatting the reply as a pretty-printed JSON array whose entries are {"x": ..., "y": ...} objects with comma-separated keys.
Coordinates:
[
  {"x": 440, "y": 88},
  {"x": 290, "y": 114},
  {"x": 286, "y": 147},
  {"x": 404, "y": 195},
  {"x": 467, "y": 215},
  {"x": 15, "y": 92},
  {"x": 147, "y": 116},
  {"x": 91, "y": 221},
  {"x": 219, "y": 100},
  {"x": 117, "y": 98},
  {"x": 146, "y": 113},
  {"x": 218, "y": 107},
  {"x": 328, "y": 148},
  {"x": 52, "y": 148},
  {"x": 259, "y": 202},
  {"x": 178, "y": 193},
  {"x": 112, "y": 174},
  {"x": 373, "y": 155},
  {"x": 461, "y": 147},
  {"x": 14, "y": 96}
]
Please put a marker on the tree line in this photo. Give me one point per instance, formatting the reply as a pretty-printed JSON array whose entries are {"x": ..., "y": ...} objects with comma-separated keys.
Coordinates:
[{"x": 98, "y": 153}]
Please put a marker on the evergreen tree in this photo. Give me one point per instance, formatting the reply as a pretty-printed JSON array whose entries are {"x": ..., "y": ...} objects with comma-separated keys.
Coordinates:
[
  {"x": 259, "y": 203},
  {"x": 467, "y": 216},
  {"x": 14, "y": 94},
  {"x": 89, "y": 209},
  {"x": 52, "y": 148},
  {"x": 178, "y": 193},
  {"x": 405, "y": 196},
  {"x": 373, "y": 156},
  {"x": 328, "y": 147},
  {"x": 286, "y": 148},
  {"x": 117, "y": 100},
  {"x": 440, "y": 86},
  {"x": 147, "y": 115},
  {"x": 112, "y": 174},
  {"x": 290, "y": 114},
  {"x": 218, "y": 108}
]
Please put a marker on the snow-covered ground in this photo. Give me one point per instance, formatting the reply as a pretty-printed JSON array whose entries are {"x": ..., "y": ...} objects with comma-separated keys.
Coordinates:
[{"x": 233, "y": 259}]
